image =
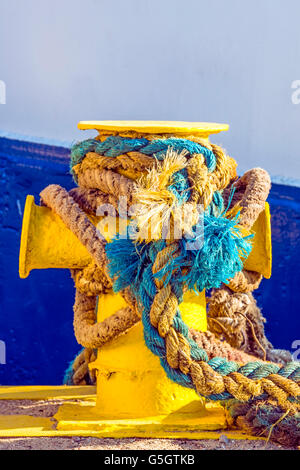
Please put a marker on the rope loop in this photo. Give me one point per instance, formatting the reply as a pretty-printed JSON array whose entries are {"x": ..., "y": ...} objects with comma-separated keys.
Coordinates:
[{"x": 164, "y": 174}]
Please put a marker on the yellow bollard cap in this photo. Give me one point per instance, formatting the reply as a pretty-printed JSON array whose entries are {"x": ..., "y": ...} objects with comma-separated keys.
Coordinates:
[{"x": 203, "y": 129}]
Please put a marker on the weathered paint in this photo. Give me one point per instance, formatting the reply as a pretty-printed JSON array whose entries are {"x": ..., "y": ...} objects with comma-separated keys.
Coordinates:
[{"x": 36, "y": 313}]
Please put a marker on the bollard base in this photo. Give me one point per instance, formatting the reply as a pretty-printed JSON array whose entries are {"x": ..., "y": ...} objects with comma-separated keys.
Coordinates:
[
  {"x": 186, "y": 423},
  {"x": 77, "y": 415}
]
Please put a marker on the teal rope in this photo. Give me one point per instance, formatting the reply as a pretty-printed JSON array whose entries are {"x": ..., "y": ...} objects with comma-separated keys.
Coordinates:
[
  {"x": 259, "y": 417},
  {"x": 180, "y": 186},
  {"x": 114, "y": 146},
  {"x": 128, "y": 269},
  {"x": 131, "y": 265}
]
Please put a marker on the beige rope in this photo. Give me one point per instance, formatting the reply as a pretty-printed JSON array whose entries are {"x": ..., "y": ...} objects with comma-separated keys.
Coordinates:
[
  {"x": 94, "y": 335},
  {"x": 58, "y": 199},
  {"x": 252, "y": 190},
  {"x": 114, "y": 185}
]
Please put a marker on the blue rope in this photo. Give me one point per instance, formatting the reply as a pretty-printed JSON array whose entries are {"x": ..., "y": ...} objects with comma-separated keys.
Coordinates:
[
  {"x": 114, "y": 146},
  {"x": 180, "y": 186},
  {"x": 217, "y": 261},
  {"x": 131, "y": 265}
]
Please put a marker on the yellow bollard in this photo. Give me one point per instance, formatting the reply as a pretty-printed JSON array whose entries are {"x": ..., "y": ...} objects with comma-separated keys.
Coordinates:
[
  {"x": 130, "y": 379},
  {"x": 47, "y": 243},
  {"x": 134, "y": 395}
]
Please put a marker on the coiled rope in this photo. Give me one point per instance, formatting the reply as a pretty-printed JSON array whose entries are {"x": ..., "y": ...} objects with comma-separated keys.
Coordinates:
[{"x": 154, "y": 285}]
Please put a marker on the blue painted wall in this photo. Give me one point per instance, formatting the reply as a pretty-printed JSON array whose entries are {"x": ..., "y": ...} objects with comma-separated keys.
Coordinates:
[{"x": 36, "y": 313}]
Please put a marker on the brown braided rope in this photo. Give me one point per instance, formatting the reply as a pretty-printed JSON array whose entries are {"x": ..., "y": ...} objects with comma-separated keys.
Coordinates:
[
  {"x": 236, "y": 319},
  {"x": 94, "y": 335},
  {"x": 82, "y": 374},
  {"x": 76, "y": 220},
  {"x": 257, "y": 185},
  {"x": 205, "y": 379},
  {"x": 92, "y": 281}
]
